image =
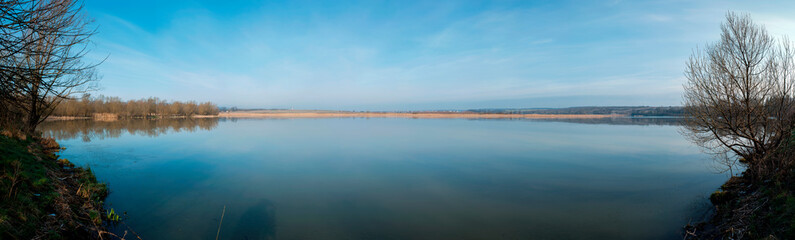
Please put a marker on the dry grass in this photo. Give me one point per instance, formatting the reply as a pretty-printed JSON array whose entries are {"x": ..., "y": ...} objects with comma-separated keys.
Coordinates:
[
  {"x": 106, "y": 116},
  {"x": 52, "y": 118}
]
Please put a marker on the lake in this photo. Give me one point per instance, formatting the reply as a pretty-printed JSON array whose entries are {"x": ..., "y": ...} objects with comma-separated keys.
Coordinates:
[{"x": 389, "y": 178}]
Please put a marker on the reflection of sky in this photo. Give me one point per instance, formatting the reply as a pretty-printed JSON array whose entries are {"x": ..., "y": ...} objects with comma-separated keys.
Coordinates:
[
  {"x": 403, "y": 55},
  {"x": 404, "y": 178}
]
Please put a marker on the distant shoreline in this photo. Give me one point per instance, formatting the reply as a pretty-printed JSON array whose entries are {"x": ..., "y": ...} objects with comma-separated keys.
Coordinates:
[
  {"x": 288, "y": 114},
  {"x": 424, "y": 115},
  {"x": 488, "y": 113}
]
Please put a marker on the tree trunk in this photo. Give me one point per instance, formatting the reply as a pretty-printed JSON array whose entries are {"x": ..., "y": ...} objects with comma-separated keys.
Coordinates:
[{"x": 33, "y": 114}]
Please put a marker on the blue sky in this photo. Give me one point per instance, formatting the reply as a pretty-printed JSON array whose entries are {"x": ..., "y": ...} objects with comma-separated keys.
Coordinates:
[{"x": 409, "y": 55}]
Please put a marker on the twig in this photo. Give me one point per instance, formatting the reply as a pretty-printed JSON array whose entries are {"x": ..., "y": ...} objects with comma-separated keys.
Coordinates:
[
  {"x": 131, "y": 230},
  {"x": 16, "y": 165},
  {"x": 221, "y": 222}
]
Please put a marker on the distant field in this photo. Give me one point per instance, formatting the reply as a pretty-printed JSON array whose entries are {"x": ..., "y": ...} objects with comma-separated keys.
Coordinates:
[{"x": 343, "y": 114}]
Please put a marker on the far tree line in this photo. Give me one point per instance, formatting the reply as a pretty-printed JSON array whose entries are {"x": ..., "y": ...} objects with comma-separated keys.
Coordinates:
[{"x": 87, "y": 106}]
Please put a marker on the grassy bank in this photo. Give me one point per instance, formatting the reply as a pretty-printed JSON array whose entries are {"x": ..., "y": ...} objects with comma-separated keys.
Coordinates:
[
  {"x": 749, "y": 208},
  {"x": 43, "y": 197}
]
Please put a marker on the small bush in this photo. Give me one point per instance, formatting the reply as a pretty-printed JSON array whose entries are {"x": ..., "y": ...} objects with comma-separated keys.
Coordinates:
[{"x": 720, "y": 197}]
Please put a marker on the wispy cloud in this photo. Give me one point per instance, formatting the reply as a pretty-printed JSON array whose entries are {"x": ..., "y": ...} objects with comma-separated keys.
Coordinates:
[{"x": 345, "y": 55}]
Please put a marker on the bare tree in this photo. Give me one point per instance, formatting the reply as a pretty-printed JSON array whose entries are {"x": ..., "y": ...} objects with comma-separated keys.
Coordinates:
[
  {"x": 43, "y": 44},
  {"x": 739, "y": 95},
  {"x": 12, "y": 24}
]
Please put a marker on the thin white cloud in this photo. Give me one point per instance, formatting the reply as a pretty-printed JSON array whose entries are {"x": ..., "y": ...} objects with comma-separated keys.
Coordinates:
[{"x": 251, "y": 60}]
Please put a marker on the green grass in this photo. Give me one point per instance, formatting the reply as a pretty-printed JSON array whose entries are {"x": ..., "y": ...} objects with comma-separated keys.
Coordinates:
[
  {"x": 39, "y": 193},
  {"x": 25, "y": 192}
]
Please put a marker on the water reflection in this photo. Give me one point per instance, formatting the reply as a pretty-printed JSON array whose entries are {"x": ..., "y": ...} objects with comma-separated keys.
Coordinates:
[
  {"x": 258, "y": 222},
  {"x": 90, "y": 129},
  {"x": 642, "y": 121},
  {"x": 87, "y": 130},
  {"x": 399, "y": 178}
]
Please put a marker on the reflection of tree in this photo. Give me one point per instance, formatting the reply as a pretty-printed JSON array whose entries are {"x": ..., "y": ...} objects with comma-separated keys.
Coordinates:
[{"x": 88, "y": 129}]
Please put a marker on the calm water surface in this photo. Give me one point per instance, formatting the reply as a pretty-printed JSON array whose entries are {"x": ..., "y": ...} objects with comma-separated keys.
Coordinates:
[{"x": 394, "y": 178}]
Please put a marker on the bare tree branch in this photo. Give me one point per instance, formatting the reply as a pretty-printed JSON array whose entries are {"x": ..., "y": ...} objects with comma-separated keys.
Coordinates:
[
  {"x": 739, "y": 94},
  {"x": 42, "y": 44}
]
